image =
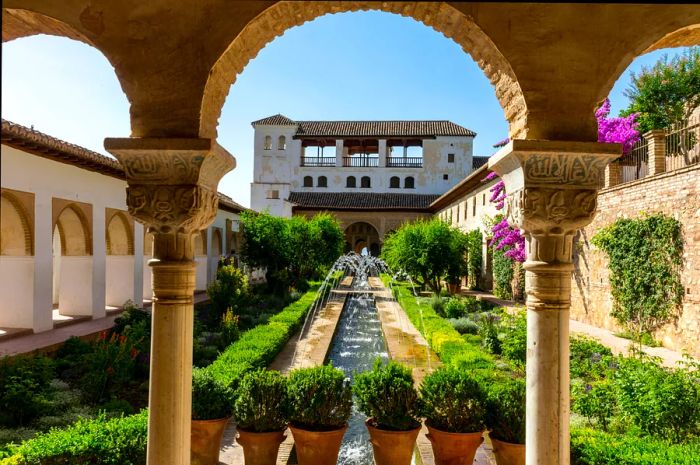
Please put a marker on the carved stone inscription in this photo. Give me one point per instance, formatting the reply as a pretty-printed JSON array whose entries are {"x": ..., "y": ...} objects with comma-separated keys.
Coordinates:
[{"x": 569, "y": 169}]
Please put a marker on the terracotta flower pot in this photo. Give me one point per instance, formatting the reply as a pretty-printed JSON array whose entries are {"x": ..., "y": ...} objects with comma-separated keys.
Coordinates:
[
  {"x": 206, "y": 441},
  {"x": 260, "y": 448},
  {"x": 454, "y": 448},
  {"x": 392, "y": 447},
  {"x": 317, "y": 447},
  {"x": 454, "y": 288},
  {"x": 507, "y": 453}
]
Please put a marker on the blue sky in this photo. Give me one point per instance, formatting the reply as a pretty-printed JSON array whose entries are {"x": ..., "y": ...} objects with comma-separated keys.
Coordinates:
[{"x": 365, "y": 65}]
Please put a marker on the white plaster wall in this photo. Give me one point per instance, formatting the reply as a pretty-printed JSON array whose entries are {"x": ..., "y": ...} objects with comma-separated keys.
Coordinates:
[
  {"x": 477, "y": 206},
  {"x": 17, "y": 291},
  {"x": 201, "y": 273},
  {"x": 75, "y": 293},
  {"x": 120, "y": 279}
]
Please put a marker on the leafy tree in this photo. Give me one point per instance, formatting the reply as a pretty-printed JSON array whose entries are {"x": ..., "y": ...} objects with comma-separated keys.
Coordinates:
[
  {"x": 667, "y": 92},
  {"x": 427, "y": 250},
  {"x": 266, "y": 245}
]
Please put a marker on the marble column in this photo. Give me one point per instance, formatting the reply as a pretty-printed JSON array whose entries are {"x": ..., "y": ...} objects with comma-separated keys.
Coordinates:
[
  {"x": 552, "y": 189},
  {"x": 172, "y": 189}
]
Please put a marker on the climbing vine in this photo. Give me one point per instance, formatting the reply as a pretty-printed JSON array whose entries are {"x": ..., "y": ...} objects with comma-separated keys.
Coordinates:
[
  {"x": 646, "y": 255},
  {"x": 474, "y": 258},
  {"x": 502, "y": 275}
]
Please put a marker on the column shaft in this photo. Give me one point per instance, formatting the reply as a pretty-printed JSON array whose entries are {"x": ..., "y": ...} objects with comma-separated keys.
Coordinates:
[
  {"x": 43, "y": 263},
  {"x": 99, "y": 262},
  {"x": 138, "y": 264},
  {"x": 170, "y": 394}
]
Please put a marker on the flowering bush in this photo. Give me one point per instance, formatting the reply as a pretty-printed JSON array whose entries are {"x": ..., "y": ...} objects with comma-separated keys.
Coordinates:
[{"x": 620, "y": 130}]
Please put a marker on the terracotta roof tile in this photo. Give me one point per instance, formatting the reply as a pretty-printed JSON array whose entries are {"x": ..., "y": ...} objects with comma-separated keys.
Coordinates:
[
  {"x": 35, "y": 142},
  {"x": 369, "y": 128},
  {"x": 361, "y": 200},
  {"x": 478, "y": 162}
]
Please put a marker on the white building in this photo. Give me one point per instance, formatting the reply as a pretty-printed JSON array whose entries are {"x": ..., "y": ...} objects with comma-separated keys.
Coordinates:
[
  {"x": 69, "y": 250},
  {"x": 299, "y": 159}
]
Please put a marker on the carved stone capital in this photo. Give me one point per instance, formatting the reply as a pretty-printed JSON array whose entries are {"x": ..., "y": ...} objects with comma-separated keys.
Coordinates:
[
  {"x": 172, "y": 187},
  {"x": 552, "y": 190}
]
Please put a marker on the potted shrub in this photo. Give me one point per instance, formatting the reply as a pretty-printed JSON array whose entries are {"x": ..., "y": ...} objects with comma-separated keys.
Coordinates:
[
  {"x": 505, "y": 417},
  {"x": 319, "y": 402},
  {"x": 454, "y": 407},
  {"x": 386, "y": 394},
  {"x": 259, "y": 413},
  {"x": 211, "y": 410}
]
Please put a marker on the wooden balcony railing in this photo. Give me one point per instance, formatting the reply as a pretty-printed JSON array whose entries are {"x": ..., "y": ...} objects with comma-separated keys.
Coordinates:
[
  {"x": 318, "y": 161},
  {"x": 404, "y": 162},
  {"x": 361, "y": 162}
]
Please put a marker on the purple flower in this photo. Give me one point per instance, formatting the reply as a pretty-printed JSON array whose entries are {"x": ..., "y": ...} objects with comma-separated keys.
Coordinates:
[{"x": 620, "y": 130}]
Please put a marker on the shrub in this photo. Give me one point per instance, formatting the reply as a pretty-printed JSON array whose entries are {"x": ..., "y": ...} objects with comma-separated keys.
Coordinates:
[
  {"x": 514, "y": 340},
  {"x": 24, "y": 388},
  {"x": 464, "y": 325},
  {"x": 502, "y": 275},
  {"x": 257, "y": 348},
  {"x": 488, "y": 330},
  {"x": 505, "y": 412},
  {"x": 386, "y": 394},
  {"x": 229, "y": 328},
  {"x": 438, "y": 305},
  {"x": 595, "y": 401},
  {"x": 261, "y": 402},
  {"x": 588, "y": 357},
  {"x": 455, "y": 307},
  {"x": 659, "y": 401},
  {"x": 591, "y": 447},
  {"x": 228, "y": 291},
  {"x": 453, "y": 401},
  {"x": 101, "y": 441},
  {"x": 211, "y": 399},
  {"x": 130, "y": 317},
  {"x": 320, "y": 398}
]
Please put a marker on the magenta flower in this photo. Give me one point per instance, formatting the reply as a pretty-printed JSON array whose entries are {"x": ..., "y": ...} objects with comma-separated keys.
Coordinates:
[
  {"x": 620, "y": 130},
  {"x": 505, "y": 237}
]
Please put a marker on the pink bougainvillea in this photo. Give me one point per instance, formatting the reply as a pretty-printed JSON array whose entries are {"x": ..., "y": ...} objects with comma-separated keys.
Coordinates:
[
  {"x": 505, "y": 237},
  {"x": 620, "y": 130}
]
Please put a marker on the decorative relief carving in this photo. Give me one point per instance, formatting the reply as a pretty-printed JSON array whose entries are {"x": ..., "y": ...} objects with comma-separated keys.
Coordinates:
[
  {"x": 542, "y": 209},
  {"x": 583, "y": 170},
  {"x": 167, "y": 209}
]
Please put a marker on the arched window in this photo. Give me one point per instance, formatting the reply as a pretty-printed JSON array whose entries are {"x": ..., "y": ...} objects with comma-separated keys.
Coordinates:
[
  {"x": 308, "y": 181},
  {"x": 409, "y": 182},
  {"x": 351, "y": 182},
  {"x": 282, "y": 143},
  {"x": 322, "y": 182},
  {"x": 394, "y": 182},
  {"x": 365, "y": 182},
  {"x": 268, "y": 142}
]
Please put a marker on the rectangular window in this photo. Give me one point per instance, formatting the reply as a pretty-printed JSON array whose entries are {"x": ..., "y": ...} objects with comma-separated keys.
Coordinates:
[
  {"x": 474, "y": 207},
  {"x": 450, "y": 158},
  {"x": 483, "y": 200},
  {"x": 273, "y": 194},
  {"x": 466, "y": 211},
  {"x": 445, "y": 177}
]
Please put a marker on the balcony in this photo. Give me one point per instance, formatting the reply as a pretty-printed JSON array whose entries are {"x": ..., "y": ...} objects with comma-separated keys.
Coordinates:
[
  {"x": 361, "y": 162},
  {"x": 318, "y": 161},
  {"x": 404, "y": 162}
]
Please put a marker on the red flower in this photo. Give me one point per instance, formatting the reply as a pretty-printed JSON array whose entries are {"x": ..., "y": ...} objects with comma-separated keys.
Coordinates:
[
  {"x": 122, "y": 339},
  {"x": 103, "y": 335},
  {"x": 134, "y": 352}
]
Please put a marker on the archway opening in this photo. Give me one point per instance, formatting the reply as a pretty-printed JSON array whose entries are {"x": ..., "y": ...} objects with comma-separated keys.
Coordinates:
[
  {"x": 119, "y": 272},
  {"x": 361, "y": 236}
]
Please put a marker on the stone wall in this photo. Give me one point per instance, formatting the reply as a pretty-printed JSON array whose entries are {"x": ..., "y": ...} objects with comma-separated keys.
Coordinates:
[{"x": 676, "y": 194}]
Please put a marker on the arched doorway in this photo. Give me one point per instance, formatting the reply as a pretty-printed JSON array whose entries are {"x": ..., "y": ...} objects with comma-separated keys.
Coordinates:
[
  {"x": 362, "y": 236},
  {"x": 72, "y": 263},
  {"x": 16, "y": 261},
  {"x": 119, "y": 272},
  {"x": 200, "y": 256}
]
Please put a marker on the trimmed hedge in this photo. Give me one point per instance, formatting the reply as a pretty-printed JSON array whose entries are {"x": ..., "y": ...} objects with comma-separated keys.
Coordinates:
[
  {"x": 448, "y": 344},
  {"x": 122, "y": 441},
  {"x": 591, "y": 447},
  {"x": 258, "y": 347},
  {"x": 101, "y": 441}
]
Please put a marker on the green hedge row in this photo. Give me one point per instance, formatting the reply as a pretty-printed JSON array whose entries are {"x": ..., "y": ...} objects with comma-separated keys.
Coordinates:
[
  {"x": 591, "y": 447},
  {"x": 122, "y": 441},
  {"x": 448, "y": 344},
  {"x": 101, "y": 441},
  {"x": 258, "y": 347}
]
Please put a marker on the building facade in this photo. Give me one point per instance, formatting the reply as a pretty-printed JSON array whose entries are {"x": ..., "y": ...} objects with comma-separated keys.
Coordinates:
[
  {"x": 69, "y": 249},
  {"x": 372, "y": 175},
  {"x": 397, "y": 157}
]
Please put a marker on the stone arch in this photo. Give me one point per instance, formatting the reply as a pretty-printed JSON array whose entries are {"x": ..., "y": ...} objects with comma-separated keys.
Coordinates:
[
  {"x": 200, "y": 243},
  {"x": 119, "y": 236},
  {"x": 74, "y": 231},
  {"x": 361, "y": 234},
  {"x": 683, "y": 37},
  {"x": 17, "y": 231},
  {"x": 217, "y": 244},
  {"x": 440, "y": 16}
]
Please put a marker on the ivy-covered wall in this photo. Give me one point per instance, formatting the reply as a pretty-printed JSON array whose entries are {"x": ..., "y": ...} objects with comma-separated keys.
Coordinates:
[{"x": 676, "y": 194}]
